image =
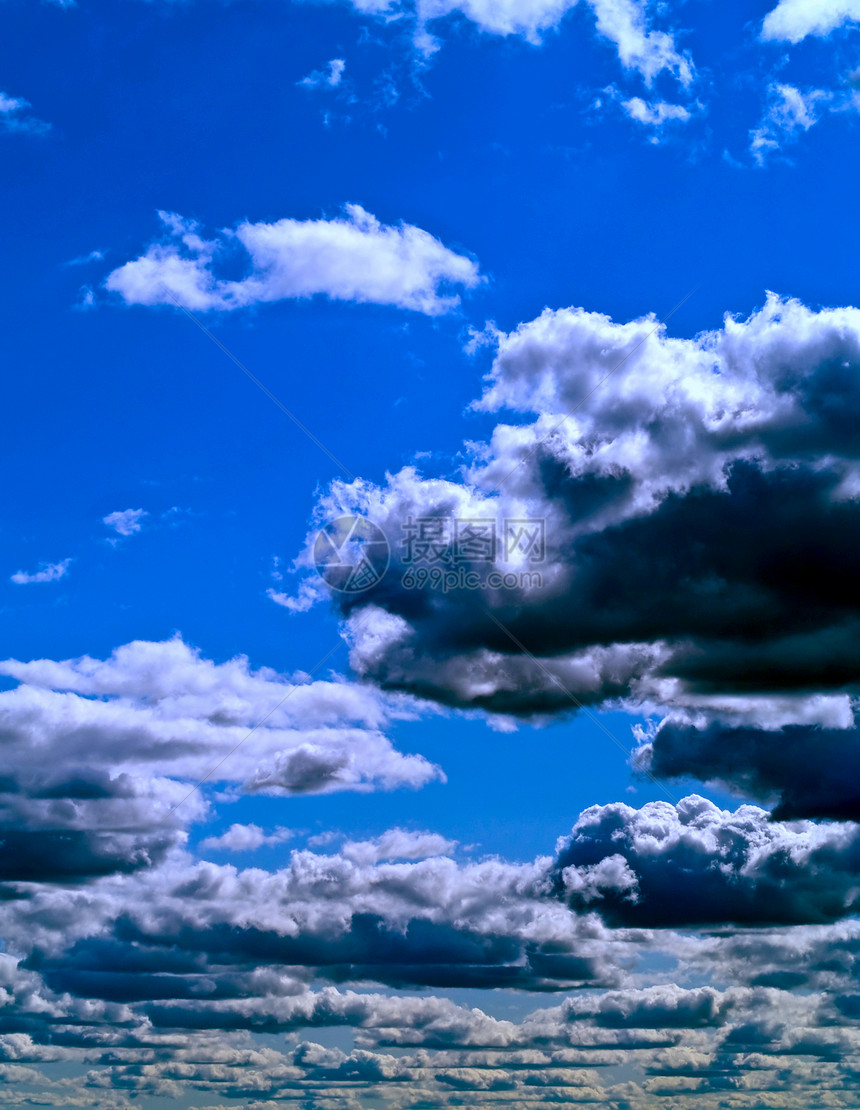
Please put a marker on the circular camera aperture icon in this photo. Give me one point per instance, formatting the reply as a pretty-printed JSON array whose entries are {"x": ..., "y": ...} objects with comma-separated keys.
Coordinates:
[{"x": 351, "y": 554}]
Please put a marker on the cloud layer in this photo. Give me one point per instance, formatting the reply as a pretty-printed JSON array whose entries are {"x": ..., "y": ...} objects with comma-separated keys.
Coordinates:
[
  {"x": 158, "y": 967},
  {"x": 101, "y": 758},
  {"x": 162, "y": 977}
]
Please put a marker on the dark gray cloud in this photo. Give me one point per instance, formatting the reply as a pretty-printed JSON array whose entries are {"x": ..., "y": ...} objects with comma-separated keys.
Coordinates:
[
  {"x": 72, "y": 855},
  {"x": 772, "y": 609},
  {"x": 700, "y": 502},
  {"x": 701, "y": 456},
  {"x": 801, "y": 770},
  {"x": 693, "y": 864}
]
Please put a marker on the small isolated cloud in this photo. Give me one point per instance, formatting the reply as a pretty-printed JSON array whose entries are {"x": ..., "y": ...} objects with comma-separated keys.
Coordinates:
[
  {"x": 125, "y": 521},
  {"x": 655, "y": 113},
  {"x": 14, "y": 117},
  {"x": 49, "y": 572},
  {"x": 349, "y": 258},
  {"x": 244, "y": 838},
  {"x": 328, "y": 78},
  {"x": 793, "y": 20}
]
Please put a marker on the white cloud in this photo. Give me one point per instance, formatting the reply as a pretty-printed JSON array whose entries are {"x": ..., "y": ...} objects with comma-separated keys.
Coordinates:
[
  {"x": 790, "y": 112},
  {"x": 625, "y": 23},
  {"x": 310, "y": 591},
  {"x": 329, "y": 78},
  {"x": 13, "y": 116},
  {"x": 526, "y": 18},
  {"x": 125, "y": 521},
  {"x": 50, "y": 572},
  {"x": 654, "y": 113},
  {"x": 793, "y": 20},
  {"x": 351, "y": 258},
  {"x": 101, "y": 758},
  {"x": 244, "y": 838},
  {"x": 398, "y": 844}
]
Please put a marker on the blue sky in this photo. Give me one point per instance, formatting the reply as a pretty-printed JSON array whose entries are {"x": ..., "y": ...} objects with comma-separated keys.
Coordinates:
[{"x": 444, "y": 237}]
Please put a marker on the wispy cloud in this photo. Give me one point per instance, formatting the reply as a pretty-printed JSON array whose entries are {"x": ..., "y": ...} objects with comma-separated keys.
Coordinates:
[
  {"x": 125, "y": 521},
  {"x": 86, "y": 259},
  {"x": 789, "y": 113},
  {"x": 14, "y": 116},
  {"x": 49, "y": 572}
]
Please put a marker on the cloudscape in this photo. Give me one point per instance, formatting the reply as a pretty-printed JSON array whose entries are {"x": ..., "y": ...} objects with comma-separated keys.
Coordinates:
[{"x": 431, "y": 621}]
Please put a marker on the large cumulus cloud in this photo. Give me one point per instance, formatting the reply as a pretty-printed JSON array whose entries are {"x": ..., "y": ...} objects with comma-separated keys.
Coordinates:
[
  {"x": 700, "y": 503},
  {"x": 694, "y": 864}
]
